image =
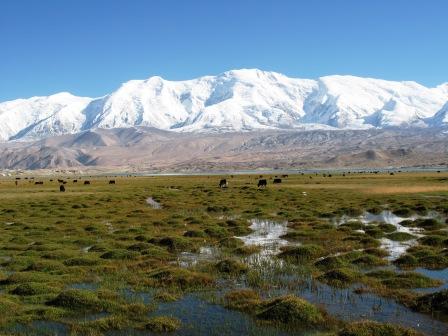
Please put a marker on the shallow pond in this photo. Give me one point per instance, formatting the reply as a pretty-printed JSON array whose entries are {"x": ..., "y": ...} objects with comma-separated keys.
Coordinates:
[
  {"x": 266, "y": 234},
  {"x": 200, "y": 317},
  {"x": 395, "y": 248},
  {"x": 205, "y": 254}
]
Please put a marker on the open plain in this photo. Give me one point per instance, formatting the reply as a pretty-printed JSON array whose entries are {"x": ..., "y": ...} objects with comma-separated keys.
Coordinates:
[{"x": 317, "y": 254}]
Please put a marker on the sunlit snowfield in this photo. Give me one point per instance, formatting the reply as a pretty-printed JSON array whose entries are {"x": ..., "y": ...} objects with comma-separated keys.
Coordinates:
[{"x": 313, "y": 255}]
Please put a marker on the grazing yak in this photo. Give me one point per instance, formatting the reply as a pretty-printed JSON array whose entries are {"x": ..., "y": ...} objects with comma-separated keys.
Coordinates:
[
  {"x": 86, "y": 182},
  {"x": 38, "y": 182},
  {"x": 277, "y": 180},
  {"x": 223, "y": 183},
  {"x": 75, "y": 181},
  {"x": 61, "y": 188},
  {"x": 111, "y": 181},
  {"x": 262, "y": 183}
]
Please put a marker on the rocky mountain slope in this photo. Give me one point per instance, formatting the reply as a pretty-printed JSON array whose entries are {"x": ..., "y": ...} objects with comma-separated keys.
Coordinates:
[{"x": 150, "y": 149}]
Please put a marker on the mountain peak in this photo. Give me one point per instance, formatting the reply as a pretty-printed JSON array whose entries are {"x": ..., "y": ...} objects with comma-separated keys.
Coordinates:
[{"x": 235, "y": 100}]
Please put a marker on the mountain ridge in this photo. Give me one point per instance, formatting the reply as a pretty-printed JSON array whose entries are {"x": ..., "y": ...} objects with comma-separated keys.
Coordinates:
[{"x": 233, "y": 101}]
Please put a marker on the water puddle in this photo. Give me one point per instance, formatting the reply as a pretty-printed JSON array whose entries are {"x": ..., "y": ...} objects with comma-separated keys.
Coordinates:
[
  {"x": 266, "y": 234},
  {"x": 40, "y": 328},
  {"x": 395, "y": 248},
  {"x": 152, "y": 202},
  {"x": 86, "y": 249},
  {"x": 205, "y": 254},
  {"x": 200, "y": 317},
  {"x": 85, "y": 286},
  {"x": 286, "y": 279},
  {"x": 345, "y": 304}
]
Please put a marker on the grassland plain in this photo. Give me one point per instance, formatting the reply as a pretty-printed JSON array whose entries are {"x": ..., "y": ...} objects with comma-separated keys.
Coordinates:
[{"x": 106, "y": 259}]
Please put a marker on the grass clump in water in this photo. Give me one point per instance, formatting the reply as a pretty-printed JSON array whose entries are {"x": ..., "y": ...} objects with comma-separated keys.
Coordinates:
[
  {"x": 164, "y": 296},
  {"x": 180, "y": 278},
  {"x": 163, "y": 324},
  {"x": 32, "y": 288},
  {"x": 369, "y": 260},
  {"x": 302, "y": 253},
  {"x": 331, "y": 262},
  {"x": 291, "y": 310},
  {"x": 231, "y": 266},
  {"x": 119, "y": 254},
  {"x": 434, "y": 240},
  {"x": 400, "y": 236},
  {"x": 434, "y": 302},
  {"x": 404, "y": 280},
  {"x": 77, "y": 299},
  {"x": 243, "y": 299},
  {"x": 372, "y": 328},
  {"x": 341, "y": 277}
]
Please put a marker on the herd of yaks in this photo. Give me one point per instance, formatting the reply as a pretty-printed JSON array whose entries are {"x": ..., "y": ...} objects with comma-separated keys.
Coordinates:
[
  {"x": 262, "y": 183},
  {"x": 60, "y": 181}
]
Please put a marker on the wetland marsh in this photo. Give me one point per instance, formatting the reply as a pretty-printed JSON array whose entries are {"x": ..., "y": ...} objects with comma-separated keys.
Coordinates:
[{"x": 360, "y": 254}]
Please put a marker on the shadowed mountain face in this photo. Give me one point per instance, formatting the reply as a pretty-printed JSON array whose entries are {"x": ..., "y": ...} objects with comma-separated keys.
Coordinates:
[{"x": 142, "y": 149}]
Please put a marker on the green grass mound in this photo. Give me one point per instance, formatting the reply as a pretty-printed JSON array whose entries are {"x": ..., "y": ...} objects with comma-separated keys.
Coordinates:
[
  {"x": 434, "y": 302},
  {"x": 291, "y": 310},
  {"x": 77, "y": 299},
  {"x": 231, "y": 242},
  {"x": 163, "y": 296},
  {"x": 392, "y": 279},
  {"x": 138, "y": 247},
  {"x": 32, "y": 288},
  {"x": 406, "y": 261},
  {"x": 388, "y": 228},
  {"x": 181, "y": 278},
  {"x": 369, "y": 260},
  {"x": 174, "y": 244},
  {"x": 242, "y": 299},
  {"x": 231, "y": 266},
  {"x": 195, "y": 234},
  {"x": 163, "y": 324},
  {"x": 433, "y": 240},
  {"x": 377, "y": 252},
  {"x": 403, "y": 212},
  {"x": 46, "y": 266},
  {"x": 428, "y": 224},
  {"x": 400, "y": 236},
  {"x": 354, "y": 225},
  {"x": 330, "y": 262},
  {"x": 26, "y": 277},
  {"x": 374, "y": 232},
  {"x": 247, "y": 250},
  {"x": 341, "y": 277},
  {"x": 119, "y": 254},
  {"x": 81, "y": 261},
  {"x": 302, "y": 253},
  {"x": 371, "y": 328}
]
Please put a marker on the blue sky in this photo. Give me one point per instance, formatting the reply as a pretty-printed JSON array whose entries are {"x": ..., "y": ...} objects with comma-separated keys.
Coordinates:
[{"x": 90, "y": 47}]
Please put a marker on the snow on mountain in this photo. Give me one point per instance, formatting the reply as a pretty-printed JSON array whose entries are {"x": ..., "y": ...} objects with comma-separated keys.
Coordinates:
[
  {"x": 236, "y": 100},
  {"x": 41, "y": 116}
]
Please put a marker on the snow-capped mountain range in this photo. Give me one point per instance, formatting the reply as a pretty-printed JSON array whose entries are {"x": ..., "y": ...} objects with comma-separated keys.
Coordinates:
[{"x": 237, "y": 100}]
